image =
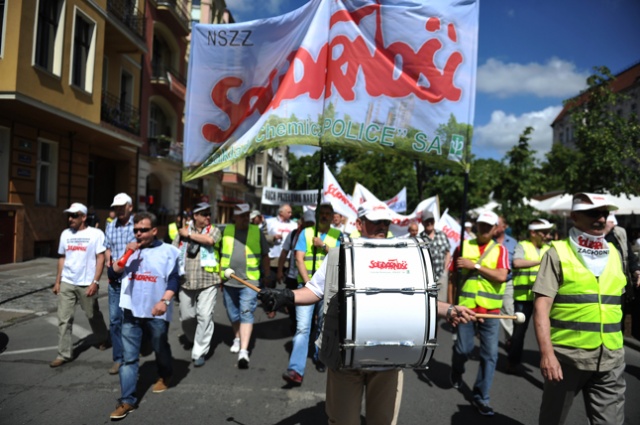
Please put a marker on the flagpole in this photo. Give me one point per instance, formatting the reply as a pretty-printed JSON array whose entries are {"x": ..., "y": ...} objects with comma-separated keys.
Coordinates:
[{"x": 318, "y": 202}]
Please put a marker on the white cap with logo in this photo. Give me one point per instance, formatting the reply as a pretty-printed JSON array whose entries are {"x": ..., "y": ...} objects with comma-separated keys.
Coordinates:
[
  {"x": 488, "y": 217},
  {"x": 121, "y": 199},
  {"x": 76, "y": 207},
  {"x": 588, "y": 201},
  {"x": 540, "y": 224},
  {"x": 374, "y": 211},
  {"x": 241, "y": 209}
]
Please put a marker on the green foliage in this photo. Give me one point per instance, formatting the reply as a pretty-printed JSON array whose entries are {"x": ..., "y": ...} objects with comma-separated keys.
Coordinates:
[
  {"x": 521, "y": 179},
  {"x": 607, "y": 143}
]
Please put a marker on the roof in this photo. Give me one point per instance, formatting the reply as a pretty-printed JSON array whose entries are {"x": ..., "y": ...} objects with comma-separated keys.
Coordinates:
[{"x": 622, "y": 81}]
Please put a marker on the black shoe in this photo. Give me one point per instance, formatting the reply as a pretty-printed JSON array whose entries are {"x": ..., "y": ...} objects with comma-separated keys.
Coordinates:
[
  {"x": 512, "y": 369},
  {"x": 320, "y": 367},
  {"x": 483, "y": 409},
  {"x": 456, "y": 379}
]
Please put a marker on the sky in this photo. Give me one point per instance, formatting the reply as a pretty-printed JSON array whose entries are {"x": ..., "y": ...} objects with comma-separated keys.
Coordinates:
[{"x": 532, "y": 55}]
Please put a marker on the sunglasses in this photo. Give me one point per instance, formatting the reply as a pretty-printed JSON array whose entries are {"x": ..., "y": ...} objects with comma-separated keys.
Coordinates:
[
  {"x": 73, "y": 215},
  {"x": 595, "y": 213},
  {"x": 206, "y": 214},
  {"x": 141, "y": 230}
]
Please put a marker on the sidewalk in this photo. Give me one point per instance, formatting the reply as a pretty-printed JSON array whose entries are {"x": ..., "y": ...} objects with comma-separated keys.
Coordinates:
[{"x": 25, "y": 290}]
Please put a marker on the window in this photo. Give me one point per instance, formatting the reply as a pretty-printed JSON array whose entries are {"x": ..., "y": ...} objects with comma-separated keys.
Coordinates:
[
  {"x": 259, "y": 175},
  {"x": 49, "y": 34},
  {"x": 158, "y": 122},
  {"x": 83, "y": 54},
  {"x": 105, "y": 74},
  {"x": 3, "y": 24},
  {"x": 5, "y": 152},
  {"x": 47, "y": 173}
]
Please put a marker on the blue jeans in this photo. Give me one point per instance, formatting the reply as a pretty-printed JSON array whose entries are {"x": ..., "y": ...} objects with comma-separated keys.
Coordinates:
[
  {"x": 240, "y": 303},
  {"x": 319, "y": 310},
  {"x": 132, "y": 330},
  {"x": 115, "y": 321},
  {"x": 298, "y": 359},
  {"x": 488, "y": 332}
]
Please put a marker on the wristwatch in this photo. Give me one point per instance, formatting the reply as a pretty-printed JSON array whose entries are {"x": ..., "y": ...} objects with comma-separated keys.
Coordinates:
[
  {"x": 477, "y": 266},
  {"x": 166, "y": 302},
  {"x": 96, "y": 282}
]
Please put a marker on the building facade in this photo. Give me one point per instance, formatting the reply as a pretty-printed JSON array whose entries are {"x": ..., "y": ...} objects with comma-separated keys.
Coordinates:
[{"x": 70, "y": 81}]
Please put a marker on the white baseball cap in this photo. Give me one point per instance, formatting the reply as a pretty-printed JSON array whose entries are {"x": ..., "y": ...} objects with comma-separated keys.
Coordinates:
[
  {"x": 202, "y": 206},
  {"x": 241, "y": 209},
  {"x": 488, "y": 217},
  {"x": 76, "y": 207},
  {"x": 374, "y": 211},
  {"x": 588, "y": 201},
  {"x": 121, "y": 199},
  {"x": 254, "y": 214},
  {"x": 612, "y": 218},
  {"x": 540, "y": 224}
]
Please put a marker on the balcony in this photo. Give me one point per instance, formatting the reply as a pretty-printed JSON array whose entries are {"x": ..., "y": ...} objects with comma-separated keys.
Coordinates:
[
  {"x": 177, "y": 9},
  {"x": 118, "y": 113},
  {"x": 163, "y": 147},
  {"x": 128, "y": 14},
  {"x": 168, "y": 81}
]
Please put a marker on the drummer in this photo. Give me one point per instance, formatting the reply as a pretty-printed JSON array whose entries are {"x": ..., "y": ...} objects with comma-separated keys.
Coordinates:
[{"x": 382, "y": 387}]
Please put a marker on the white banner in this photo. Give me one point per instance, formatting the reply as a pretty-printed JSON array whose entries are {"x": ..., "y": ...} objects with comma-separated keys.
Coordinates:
[
  {"x": 450, "y": 227},
  {"x": 273, "y": 196},
  {"x": 378, "y": 75},
  {"x": 399, "y": 202}
]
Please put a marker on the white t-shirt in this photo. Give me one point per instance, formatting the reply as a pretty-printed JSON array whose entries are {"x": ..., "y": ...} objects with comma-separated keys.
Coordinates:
[
  {"x": 275, "y": 226},
  {"x": 316, "y": 284},
  {"x": 80, "y": 249}
]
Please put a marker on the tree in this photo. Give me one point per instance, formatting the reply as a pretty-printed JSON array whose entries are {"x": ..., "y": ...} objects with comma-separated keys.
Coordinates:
[
  {"x": 607, "y": 143},
  {"x": 520, "y": 180}
]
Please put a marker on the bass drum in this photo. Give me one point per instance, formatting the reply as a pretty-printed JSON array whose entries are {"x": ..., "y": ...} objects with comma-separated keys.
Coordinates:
[{"x": 387, "y": 304}]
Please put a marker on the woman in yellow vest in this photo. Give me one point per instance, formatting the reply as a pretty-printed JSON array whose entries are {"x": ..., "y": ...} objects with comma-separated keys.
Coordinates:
[
  {"x": 526, "y": 263},
  {"x": 577, "y": 314},
  {"x": 484, "y": 266}
]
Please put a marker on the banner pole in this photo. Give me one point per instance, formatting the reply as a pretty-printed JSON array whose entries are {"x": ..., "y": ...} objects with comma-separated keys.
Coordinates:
[
  {"x": 463, "y": 218},
  {"x": 318, "y": 202}
]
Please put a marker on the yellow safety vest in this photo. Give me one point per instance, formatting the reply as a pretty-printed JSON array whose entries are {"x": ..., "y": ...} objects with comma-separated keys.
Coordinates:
[
  {"x": 476, "y": 290},
  {"x": 331, "y": 240},
  {"x": 173, "y": 230},
  {"x": 253, "y": 250},
  {"x": 587, "y": 311},
  {"x": 524, "y": 278}
]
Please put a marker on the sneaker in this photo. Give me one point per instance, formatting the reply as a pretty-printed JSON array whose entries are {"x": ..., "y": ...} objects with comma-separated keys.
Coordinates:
[
  {"x": 235, "y": 348},
  {"x": 483, "y": 409},
  {"x": 199, "y": 361},
  {"x": 243, "y": 360},
  {"x": 114, "y": 369},
  {"x": 292, "y": 377},
  {"x": 162, "y": 384},
  {"x": 456, "y": 379},
  {"x": 121, "y": 411},
  {"x": 58, "y": 362}
]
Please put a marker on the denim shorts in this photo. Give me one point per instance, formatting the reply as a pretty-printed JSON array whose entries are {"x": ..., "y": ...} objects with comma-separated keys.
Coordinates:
[{"x": 240, "y": 303}]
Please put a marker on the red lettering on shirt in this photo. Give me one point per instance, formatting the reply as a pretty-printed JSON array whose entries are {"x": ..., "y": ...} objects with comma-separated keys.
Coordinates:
[
  {"x": 76, "y": 248},
  {"x": 388, "y": 265}
]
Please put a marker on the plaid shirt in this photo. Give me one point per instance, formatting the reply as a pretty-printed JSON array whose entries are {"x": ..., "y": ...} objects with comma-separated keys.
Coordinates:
[
  {"x": 438, "y": 248},
  {"x": 117, "y": 236},
  {"x": 195, "y": 277}
]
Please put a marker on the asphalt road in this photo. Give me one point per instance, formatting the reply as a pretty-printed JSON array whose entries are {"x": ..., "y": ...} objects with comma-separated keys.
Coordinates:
[{"x": 81, "y": 392}]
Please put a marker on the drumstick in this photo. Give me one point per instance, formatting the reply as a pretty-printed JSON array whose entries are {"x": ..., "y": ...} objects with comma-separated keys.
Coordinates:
[
  {"x": 230, "y": 273},
  {"x": 518, "y": 317}
]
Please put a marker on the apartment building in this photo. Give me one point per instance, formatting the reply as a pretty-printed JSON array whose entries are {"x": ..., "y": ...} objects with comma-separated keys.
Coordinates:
[
  {"x": 70, "y": 122},
  {"x": 626, "y": 82}
]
